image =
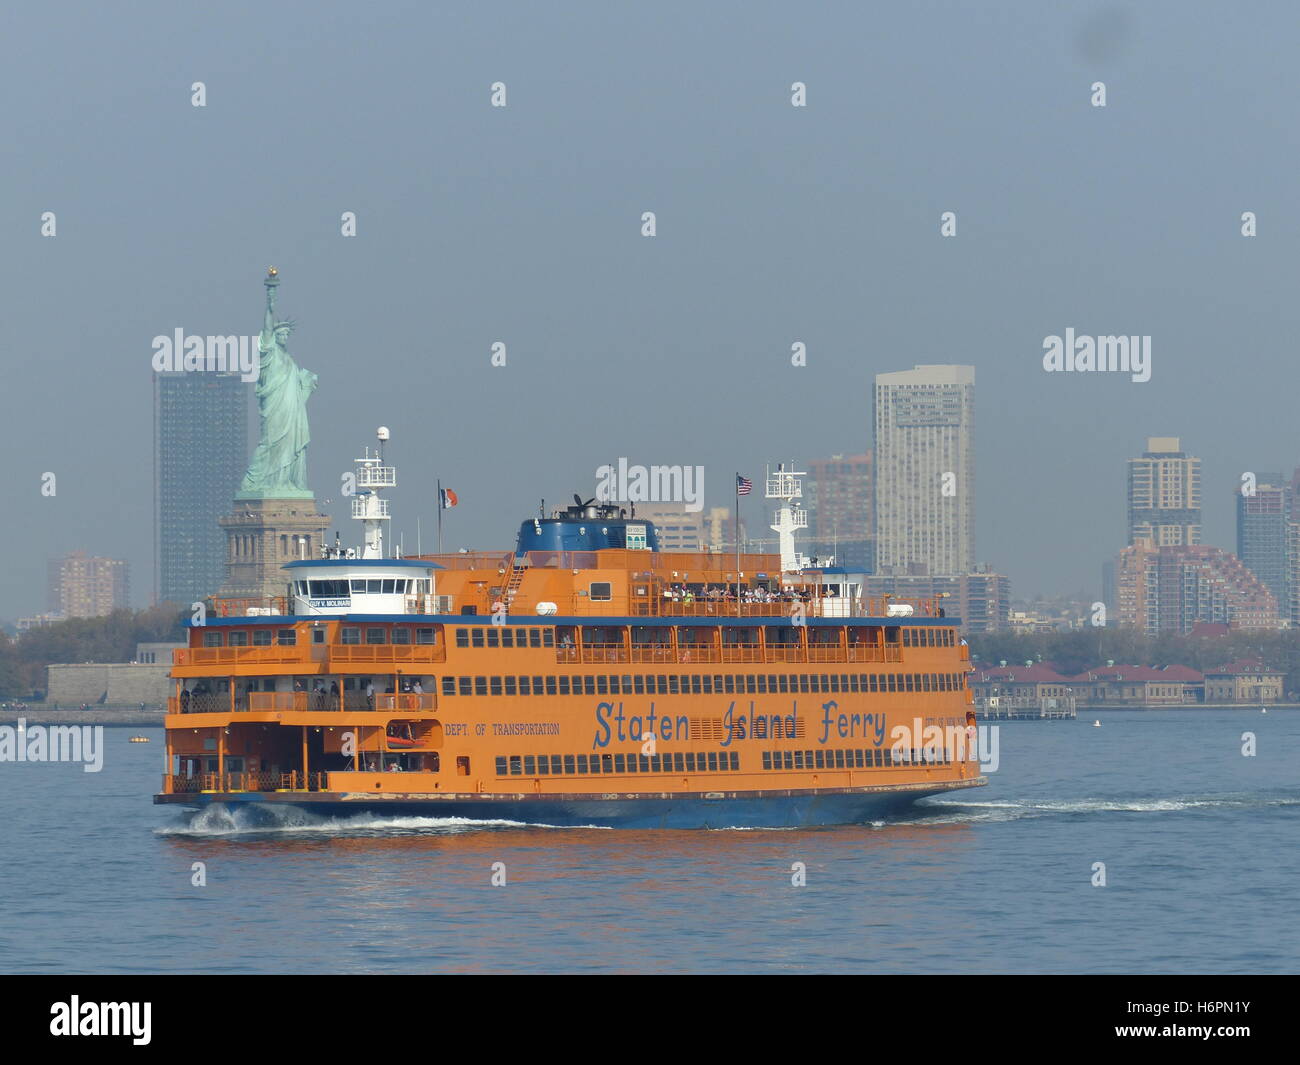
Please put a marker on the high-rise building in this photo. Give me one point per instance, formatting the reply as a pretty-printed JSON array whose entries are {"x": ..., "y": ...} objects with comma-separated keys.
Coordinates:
[
  {"x": 81, "y": 586},
  {"x": 840, "y": 498},
  {"x": 1172, "y": 588},
  {"x": 678, "y": 529},
  {"x": 925, "y": 470},
  {"x": 200, "y": 453},
  {"x": 980, "y": 601},
  {"x": 1263, "y": 514},
  {"x": 1164, "y": 495}
]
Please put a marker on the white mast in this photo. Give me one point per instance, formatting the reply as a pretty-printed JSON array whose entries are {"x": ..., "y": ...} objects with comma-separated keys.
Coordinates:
[
  {"x": 786, "y": 486},
  {"x": 367, "y": 506}
]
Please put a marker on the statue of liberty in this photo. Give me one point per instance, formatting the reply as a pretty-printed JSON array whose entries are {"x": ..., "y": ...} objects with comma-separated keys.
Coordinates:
[{"x": 279, "y": 466}]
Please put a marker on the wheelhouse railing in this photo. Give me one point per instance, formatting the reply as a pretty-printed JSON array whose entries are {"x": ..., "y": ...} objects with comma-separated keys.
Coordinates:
[{"x": 249, "y": 607}]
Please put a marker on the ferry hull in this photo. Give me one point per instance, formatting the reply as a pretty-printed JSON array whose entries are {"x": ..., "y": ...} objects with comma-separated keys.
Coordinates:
[{"x": 795, "y": 809}]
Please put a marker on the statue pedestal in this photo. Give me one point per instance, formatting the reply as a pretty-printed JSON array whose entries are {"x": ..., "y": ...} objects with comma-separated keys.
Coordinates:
[{"x": 261, "y": 536}]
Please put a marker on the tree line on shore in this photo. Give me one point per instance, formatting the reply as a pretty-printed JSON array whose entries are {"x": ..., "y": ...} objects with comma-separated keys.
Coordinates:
[
  {"x": 1079, "y": 650},
  {"x": 111, "y": 638}
]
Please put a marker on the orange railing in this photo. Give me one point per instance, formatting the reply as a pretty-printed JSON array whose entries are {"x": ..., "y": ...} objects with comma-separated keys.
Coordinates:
[
  {"x": 236, "y": 607},
  {"x": 212, "y": 656},
  {"x": 387, "y": 652}
]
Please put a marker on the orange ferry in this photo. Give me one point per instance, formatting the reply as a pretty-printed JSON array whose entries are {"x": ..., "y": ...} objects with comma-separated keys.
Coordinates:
[{"x": 585, "y": 678}]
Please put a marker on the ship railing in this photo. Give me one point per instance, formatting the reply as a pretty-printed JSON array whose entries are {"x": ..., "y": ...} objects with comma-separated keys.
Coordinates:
[
  {"x": 866, "y": 653},
  {"x": 199, "y": 703},
  {"x": 295, "y": 780},
  {"x": 785, "y": 652},
  {"x": 249, "y": 606},
  {"x": 653, "y": 652},
  {"x": 742, "y": 652},
  {"x": 210, "y": 656},
  {"x": 387, "y": 652},
  {"x": 695, "y": 652},
  {"x": 825, "y": 652},
  {"x": 604, "y": 652}
]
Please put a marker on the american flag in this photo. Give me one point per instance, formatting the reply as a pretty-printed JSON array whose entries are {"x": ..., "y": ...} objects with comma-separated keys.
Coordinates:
[{"x": 743, "y": 485}]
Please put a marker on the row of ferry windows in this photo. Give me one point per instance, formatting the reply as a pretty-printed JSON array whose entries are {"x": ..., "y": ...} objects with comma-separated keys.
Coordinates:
[
  {"x": 555, "y": 765},
  {"x": 363, "y": 586},
  {"x": 505, "y": 636},
  {"x": 702, "y": 684},
  {"x": 876, "y": 757},
  {"x": 402, "y": 634},
  {"x": 926, "y": 637}
]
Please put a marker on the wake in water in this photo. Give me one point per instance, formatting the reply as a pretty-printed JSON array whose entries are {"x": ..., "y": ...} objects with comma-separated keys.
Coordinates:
[
  {"x": 252, "y": 820},
  {"x": 939, "y": 811}
]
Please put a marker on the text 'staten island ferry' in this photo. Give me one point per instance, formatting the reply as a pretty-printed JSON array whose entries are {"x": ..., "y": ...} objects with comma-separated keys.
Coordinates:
[{"x": 586, "y": 678}]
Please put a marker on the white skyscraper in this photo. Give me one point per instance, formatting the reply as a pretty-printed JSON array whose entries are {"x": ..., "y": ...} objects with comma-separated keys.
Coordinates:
[{"x": 925, "y": 470}]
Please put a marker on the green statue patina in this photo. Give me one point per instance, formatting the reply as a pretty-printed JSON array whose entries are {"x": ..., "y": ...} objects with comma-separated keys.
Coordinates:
[{"x": 279, "y": 466}]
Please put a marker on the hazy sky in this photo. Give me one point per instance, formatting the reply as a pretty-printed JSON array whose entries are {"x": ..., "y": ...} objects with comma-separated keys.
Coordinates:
[{"x": 775, "y": 225}]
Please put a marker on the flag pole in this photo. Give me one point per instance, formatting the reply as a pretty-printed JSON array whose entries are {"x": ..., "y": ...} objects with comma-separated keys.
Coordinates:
[
  {"x": 737, "y": 531},
  {"x": 440, "y": 515}
]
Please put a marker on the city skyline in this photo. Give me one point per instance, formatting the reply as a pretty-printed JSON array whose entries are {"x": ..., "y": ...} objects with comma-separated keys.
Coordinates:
[{"x": 543, "y": 253}]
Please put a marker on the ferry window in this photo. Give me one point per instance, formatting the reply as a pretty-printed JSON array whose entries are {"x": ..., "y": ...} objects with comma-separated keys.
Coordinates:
[
  {"x": 537, "y": 685},
  {"x": 627, "y": 683},
  {"x": 782, "y": 682},
  {"x": 516, "y": 765},
  {"x": 480, "y": 685},
  {"x": 501, "y": 765},
  {"x": 735, "y": 759},
  {"x": 476, "y": 637},
  {"x": 707, "y": 682},
  {"x": 798, "y": 759},
  {"x": 525, "y": 686},
  {"x": 556, "y": 769},
  {"x": 317, "y": 635},
  {"x": 548, "y": 637},
  {"x": 805, "y": 683},
  {"x": 530, "y": 765},
  {"x": 534, "y": 638},
  {"x": 672, "y": 684},
  {"x": 821, "y": 758},
  {"x": 857, "y": 759},
  {"x": 448, "y": 685},
  {"x": 661, "y": 684},
  {"x": 550, "y": 685},
  {"x": 261, "y": 637},
  {"x": 374, "y": 636},
  {"x": 213, "y": 638},
  {"x": 601, "y": 592},
  {"x": 717, "y": 682},
  {"x": 582, "y": 763},
  {"x": 286, "y": 637},
  {"x": 751, "y": 684},
  {"x": 466, "y": 684},
  {"x": 606, "y": 763},
  {"x": 239, "y": 639},
  {"x": 602, "y": 685},
  {"x": 350, "y": 634},
  {"x": 507, "y": 637},
  {"x": 638, "y": 684},
  {"x": 588, "y": 685},
  {"x": 510, "y": 686},
  {"x": 425, "y": 635},
  {"x": 387, "y": 586},
  {"x": 767, "y": 759},
  {"x": 854, "y": 681},
  {"x": 690, "y": 761},
  {"x": 835, "y": 682},
  {"x": 839, "y": 759},
  {"x": 696, "y": 686},
  {"x": 493, "y": 637},
  {"x": 568, "y": 764},
  {"x": 713, "y": 761},
  {"x": 729, "y": 683},
  {"x": 564, "y": 686},
  {"x": 462, "y": 637},
  {"x": 620, "y": 764},
  {"x": 358, "y": 587},
  {"x": 495, "y": 684}
]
